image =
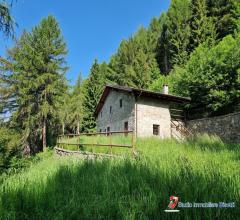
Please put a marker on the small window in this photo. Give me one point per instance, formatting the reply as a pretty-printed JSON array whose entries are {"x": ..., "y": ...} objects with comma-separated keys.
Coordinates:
[
  {"x": 101, "y": 114},
  {"x": 108, "y": 130},
  {"x": 100, "y": 130},
  {"x": 156, "y": 129},
  {"x": 126, "y": 128},
  {"x": 120, "y": 103},
  {"x": 110, "y": 110}
]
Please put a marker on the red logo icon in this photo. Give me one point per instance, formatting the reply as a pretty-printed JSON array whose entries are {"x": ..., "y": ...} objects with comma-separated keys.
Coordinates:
[
  {"x": 172, "y": 205},
  {"x": 173, "y": 202}
]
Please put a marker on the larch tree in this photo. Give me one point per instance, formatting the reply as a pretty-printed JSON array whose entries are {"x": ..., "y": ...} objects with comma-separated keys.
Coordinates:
[{"x": 38, "y": 80}]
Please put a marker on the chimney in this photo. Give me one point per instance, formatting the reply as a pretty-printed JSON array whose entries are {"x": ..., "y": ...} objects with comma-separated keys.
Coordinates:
[{"x": 165, "y": 89}]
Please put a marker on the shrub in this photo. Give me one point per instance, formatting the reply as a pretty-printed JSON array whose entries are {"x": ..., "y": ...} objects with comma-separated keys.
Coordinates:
[{"x": 10, "y": 146}]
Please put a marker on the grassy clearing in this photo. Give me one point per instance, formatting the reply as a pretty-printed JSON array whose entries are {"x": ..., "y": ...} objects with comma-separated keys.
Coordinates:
[{"x": 205, "y": 170}]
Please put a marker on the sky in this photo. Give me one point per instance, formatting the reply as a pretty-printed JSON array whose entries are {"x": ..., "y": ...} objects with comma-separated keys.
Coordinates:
[{"x": 92, "y": 29}]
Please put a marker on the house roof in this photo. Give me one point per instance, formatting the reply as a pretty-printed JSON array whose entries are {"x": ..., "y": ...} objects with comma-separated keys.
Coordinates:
[{"x": 138, "y": 92}]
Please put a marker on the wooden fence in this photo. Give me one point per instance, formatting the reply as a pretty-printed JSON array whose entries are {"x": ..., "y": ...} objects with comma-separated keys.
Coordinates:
[{"x": 109, "y": 135}]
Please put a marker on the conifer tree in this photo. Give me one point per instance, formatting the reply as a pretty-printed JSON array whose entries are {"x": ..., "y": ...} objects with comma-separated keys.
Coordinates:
[
  {"x": 163, "y": 45},
  {"x": 179, "y": 14},
  {"x": 92, "y": 90},
  {"x": 135, "y": 63},
  {"x": 38, "y": 79},
  {"x": 224, "y": 14},
  {"x": 64, "y": 111},
  {"x": 202, "y": 26},
  {"x": 76, "y": 106}
]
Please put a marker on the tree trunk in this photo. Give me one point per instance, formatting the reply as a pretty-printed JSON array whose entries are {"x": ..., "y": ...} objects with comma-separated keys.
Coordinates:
[
  {"x": 166, "y": 63},
  {"x": 78, "y": 128},
  {"x": 63, "y": 128},
  {"x": 44, "y": 138},
  {"x": 44, "y": 129}
]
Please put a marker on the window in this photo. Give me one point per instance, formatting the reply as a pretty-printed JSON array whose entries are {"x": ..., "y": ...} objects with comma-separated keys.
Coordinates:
[
  {"x": 156, "y": 129},
  {"x": 101, "y": 114},
  {"x": 110, "y": 110},
  {"x": 126, "y": 127},
  {"x": 100, "y": 130},
  {"x": 108, "y": 130},
  {"x": 120, "y": 103}
]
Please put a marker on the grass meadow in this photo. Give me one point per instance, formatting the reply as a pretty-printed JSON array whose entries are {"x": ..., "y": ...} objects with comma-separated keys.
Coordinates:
[{"x": 201, "y": 170}]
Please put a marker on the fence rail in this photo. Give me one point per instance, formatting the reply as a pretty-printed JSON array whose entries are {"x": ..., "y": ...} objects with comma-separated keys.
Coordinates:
[
  {"x": 96, "y": 133},
  {"x": 108, "y": 135}
]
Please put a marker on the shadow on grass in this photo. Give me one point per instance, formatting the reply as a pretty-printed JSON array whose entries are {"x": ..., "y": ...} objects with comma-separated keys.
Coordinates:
[
  {"x": 117, "y": 190},
  {"x": 212, "y": 143}
]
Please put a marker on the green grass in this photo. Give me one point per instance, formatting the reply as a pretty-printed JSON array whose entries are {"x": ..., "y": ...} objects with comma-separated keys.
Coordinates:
[{"x": 204, "y": 170}]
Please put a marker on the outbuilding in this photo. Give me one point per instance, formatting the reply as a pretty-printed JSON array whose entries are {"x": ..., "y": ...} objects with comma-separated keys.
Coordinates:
[{"x": 147, "y": 113}]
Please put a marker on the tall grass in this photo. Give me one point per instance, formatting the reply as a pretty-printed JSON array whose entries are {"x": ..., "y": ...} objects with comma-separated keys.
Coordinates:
[{"x": 127, "y": 188}]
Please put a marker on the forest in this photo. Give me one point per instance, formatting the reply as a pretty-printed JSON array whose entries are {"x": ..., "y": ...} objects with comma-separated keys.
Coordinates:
[{"x": 194, "y": 47}]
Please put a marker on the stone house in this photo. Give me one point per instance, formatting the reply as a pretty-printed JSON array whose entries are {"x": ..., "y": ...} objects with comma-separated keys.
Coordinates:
[{"x": 145, "y": 112}]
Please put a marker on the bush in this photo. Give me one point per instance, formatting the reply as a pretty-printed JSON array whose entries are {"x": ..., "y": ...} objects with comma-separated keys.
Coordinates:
[
  {"x": 10, "y": 147},
  {"x": 212, "y": 76}
]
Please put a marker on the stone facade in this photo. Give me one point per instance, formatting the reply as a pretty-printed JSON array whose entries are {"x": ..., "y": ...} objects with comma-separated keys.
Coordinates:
[
  {"x": 227, "y": 127},
  {"x": 151, "y": 112},
  {"x": 140, "y": 115},
  {"x": 119, "y": 115}
]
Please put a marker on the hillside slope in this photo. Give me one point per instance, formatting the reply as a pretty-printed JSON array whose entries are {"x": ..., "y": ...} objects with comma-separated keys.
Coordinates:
[{"x": 66, "y": 188}]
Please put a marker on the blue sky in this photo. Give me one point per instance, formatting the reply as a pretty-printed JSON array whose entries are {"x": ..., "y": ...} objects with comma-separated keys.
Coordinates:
[{"x": 91, "y": 28}]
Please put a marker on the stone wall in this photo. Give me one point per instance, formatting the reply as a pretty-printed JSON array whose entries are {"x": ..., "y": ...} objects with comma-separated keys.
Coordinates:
[
  {"x": 227, "y": 127},
  {"x": 82, "y": 154},
  {"x": 149, "y": 112},
  {"x": 119, "y": 115}
]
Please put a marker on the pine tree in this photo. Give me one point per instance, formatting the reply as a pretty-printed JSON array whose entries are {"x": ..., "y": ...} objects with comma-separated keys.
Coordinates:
[
  {"x": 135, "y": 63},
  {"x": 38, "y": 79},
  {"x": 202, "y": 26},
  {"x": 92, "y": 90},
  {"x": 236, "y": 15},
  {"x": 163, "y": 46},
  {"x": 179, "y": 31},
  {"x": 224, "y": 15}
]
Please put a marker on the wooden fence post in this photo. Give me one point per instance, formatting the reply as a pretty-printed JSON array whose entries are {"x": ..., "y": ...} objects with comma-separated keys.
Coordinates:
[
  {"x": 110, "y": 137},
  {"x": 133, "y": 143}
]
